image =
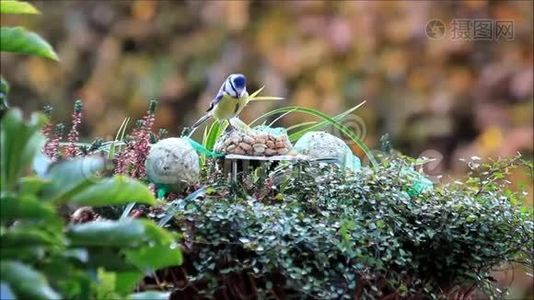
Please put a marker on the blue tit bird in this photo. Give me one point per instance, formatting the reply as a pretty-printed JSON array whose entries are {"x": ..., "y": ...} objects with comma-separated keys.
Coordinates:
[{"x": 230, "y": 100}]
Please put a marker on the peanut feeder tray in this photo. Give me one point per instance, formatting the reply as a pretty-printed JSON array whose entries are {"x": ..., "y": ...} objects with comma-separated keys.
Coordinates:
[
  {"x": 253, "y": 147},
  {"x": 233, "y": 164}
]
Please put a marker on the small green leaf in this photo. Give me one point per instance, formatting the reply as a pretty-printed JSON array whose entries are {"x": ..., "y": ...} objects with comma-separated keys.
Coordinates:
[
  {"x": 17, "y": 7},
  {"x": 25, "y": 282},
  {"x": 118, "y": 190},
  {"x": 19, "y": 40}
]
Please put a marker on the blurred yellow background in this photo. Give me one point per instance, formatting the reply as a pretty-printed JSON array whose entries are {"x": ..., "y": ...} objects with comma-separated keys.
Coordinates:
[{"x": 450, "y": 97}]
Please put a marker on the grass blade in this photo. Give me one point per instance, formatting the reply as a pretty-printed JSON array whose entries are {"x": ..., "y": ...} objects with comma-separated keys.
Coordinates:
[
  {"x": 118, "y": 137},
  {"x": 253, "y": 96},
  {"x": 280, "y": 117},
  {"x": 321, "y": 125},
  {"x": 265, "y": 98},
  {"x": 303, "y": 124},
  {"x": 256, "y": 92}
]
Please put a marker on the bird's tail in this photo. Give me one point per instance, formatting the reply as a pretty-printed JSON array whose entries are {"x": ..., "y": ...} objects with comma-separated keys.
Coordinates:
[{"x": 198, "y": 123}]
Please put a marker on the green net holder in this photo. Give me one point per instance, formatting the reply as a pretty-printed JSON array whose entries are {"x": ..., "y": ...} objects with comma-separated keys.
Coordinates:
[{"x": 203, "y": 150}]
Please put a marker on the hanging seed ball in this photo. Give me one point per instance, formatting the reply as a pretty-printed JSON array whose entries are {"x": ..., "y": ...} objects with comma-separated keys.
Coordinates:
[
  {"x": 260, "y": 141},
  {"x": 173, "y": 161},
  {"x": 320, "y": 144}
]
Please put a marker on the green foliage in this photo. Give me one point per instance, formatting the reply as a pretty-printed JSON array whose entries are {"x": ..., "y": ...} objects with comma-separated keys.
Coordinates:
[
  {"x": 324, "y": 233},
  {"x": 19, "y": 40},
  {"x": 17, "y": 7},
  {"x": 41, "y": 258}
]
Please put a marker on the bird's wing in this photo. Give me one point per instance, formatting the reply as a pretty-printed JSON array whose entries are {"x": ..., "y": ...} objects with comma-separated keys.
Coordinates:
[{"x": 215, "y": 100}]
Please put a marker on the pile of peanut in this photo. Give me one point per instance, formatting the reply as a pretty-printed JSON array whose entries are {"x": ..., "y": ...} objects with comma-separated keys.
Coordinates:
[{"x": 253, "y": 143}]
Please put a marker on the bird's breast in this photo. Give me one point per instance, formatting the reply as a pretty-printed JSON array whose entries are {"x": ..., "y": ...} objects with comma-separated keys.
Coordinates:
[{"x": 227, "y": 108}]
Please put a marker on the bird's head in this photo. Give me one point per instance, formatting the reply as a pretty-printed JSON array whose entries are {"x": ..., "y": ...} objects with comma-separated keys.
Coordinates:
[{"x": 236, "y": 85}]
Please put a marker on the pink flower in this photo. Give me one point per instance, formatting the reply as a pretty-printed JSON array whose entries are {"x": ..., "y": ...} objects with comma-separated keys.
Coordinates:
[
  {"x": 72, "y": 150},
  {"x": 131, "y": 160}
]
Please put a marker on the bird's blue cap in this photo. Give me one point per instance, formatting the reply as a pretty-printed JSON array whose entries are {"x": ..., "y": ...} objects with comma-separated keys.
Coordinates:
[{"x": 239, "y": 81}]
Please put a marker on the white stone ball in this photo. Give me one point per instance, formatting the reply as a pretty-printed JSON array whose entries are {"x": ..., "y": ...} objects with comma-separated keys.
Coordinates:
[
  {"x": 320, "y": 144},
  {"x": 173, "y": 161}
]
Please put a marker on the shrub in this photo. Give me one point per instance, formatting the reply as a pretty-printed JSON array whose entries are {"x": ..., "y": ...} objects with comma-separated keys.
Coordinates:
[{"x": 323, "y": 233}]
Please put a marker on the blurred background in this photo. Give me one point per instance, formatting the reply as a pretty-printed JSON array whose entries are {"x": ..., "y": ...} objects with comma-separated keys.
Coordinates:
[{"x": 444, "y": 97}]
